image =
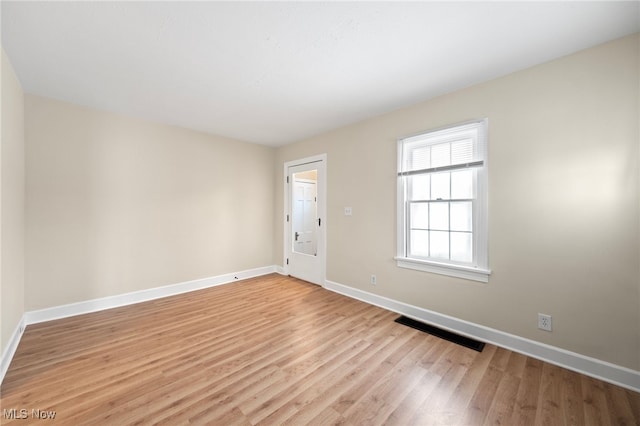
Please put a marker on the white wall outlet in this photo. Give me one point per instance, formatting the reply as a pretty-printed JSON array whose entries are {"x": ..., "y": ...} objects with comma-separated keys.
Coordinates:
[
  {"x": 544, "y": 322},
  {"x": 374, "y": 280},
  {"x": 348, "y": 211}
]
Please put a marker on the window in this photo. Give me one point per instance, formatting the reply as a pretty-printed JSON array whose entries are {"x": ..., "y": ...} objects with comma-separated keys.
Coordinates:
[{"x": 442, "y": 201}]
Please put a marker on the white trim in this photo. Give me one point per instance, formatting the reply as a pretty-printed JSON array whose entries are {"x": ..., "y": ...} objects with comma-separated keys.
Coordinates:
[
  {"x": 88, "y": 306},
  {"x": 444, "y": 129},
  {"x": 10, "y": 350},
  {"x": 475, "y": 274},
  {"x": 588, "y": 366}
]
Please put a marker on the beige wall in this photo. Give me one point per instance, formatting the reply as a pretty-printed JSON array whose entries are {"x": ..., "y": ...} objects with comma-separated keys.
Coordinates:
[
  {"x": 563, "y": 203},
  {"x": 116, "y": 204},
  {"x": 12, "y": 204}
]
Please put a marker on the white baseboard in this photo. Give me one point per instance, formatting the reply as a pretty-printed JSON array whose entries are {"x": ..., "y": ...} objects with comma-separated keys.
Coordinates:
[
  {"x": 88, "y": 306},
  {"x": 10, "y": 350},
  {"x": 592, "y": 367}
]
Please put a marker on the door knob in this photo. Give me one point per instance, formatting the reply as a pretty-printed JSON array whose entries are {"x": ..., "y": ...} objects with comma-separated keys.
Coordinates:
[{"x": 297, "y": 235}]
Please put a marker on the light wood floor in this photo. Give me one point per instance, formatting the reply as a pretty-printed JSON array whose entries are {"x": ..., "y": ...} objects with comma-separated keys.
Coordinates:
[{"x": 275, "y": 350}]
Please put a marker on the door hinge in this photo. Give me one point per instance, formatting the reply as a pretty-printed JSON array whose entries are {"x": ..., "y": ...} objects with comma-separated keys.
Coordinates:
[
  {"x": 319, "y": 221},
  {"x": 287, "y": 179},
  {"x": 287, "y": 218},
  {"x": 287, "y": 260}
]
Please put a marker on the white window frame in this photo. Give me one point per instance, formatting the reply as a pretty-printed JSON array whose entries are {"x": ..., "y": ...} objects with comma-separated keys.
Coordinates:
[{"x": 478, "y": 269}]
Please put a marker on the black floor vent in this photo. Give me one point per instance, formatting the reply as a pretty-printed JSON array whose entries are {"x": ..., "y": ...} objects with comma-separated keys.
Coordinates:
[{"x": 443, "y": 334}]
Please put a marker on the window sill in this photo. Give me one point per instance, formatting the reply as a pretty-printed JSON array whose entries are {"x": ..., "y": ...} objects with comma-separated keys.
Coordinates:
[{"x": 474, "y": 274}]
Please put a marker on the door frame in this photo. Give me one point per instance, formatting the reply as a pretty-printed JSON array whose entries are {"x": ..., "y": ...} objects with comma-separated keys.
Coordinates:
[{"x": 322, "y": 213}]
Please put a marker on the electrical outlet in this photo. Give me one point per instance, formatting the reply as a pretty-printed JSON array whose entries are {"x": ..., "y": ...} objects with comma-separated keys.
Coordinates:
[
  {"x": 374, "y": 280},
  {"x": 544, "y": 322}
]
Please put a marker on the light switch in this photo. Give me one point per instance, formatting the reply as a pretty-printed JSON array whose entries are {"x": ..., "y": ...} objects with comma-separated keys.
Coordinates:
[{"x": 347, "y": 211}]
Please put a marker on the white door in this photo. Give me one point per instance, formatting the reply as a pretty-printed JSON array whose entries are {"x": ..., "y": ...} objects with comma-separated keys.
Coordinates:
[{"x": 304, "y": 230}]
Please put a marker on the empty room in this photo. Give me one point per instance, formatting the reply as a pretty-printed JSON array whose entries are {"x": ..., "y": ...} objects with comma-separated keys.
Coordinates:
[{"x": 305, "y": 213}]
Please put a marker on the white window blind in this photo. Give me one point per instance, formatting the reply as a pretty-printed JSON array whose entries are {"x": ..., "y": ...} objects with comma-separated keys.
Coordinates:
[{"x": 450, "y": 148}]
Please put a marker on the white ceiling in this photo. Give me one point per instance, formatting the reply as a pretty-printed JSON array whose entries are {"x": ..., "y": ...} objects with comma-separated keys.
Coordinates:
[{"x": 278, "y": 72}]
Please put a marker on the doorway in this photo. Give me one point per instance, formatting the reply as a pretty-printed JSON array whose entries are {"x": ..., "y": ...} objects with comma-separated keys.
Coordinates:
[{"x": 305, "y": 224}]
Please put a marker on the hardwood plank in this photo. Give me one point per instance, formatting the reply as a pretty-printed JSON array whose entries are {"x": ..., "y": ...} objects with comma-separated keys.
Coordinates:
[
  {"x": 595, "y": 402},
  {"x": 501, "y": 359},
  {"x": 451, "y": 367},
  {"x": 473, "y": 387},
  {"x": 479, "y": 406},
  {"x": 369, "y": 375},
  {"x": 549, "y": 401},
  {"x": 516, "y": 364},
  {"x": 277, "y": 350},
  {"x": 526, "y": 405},
  {"x": 408, "y": 411},
  {"x": 341, "y": 380},
  {"x": 375, "y": 406},
  {"x": 504, "y": 401},
  {"x": 571, "y": 399},
  {"x": 619, "y": 407},
  {"x": 634, "y": 402}
]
